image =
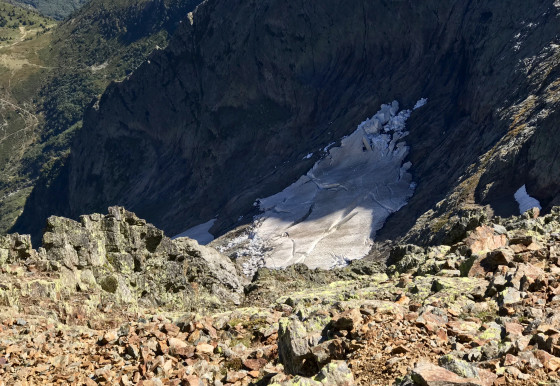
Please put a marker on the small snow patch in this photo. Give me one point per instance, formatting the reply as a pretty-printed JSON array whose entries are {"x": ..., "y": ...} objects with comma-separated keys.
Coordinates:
[
  {"x": 200, "y": 233},
  {"x": 308, "y": 156},
  {"x": 99, "y": 67},
  {"x": 422, "y": 102},
  {"x": 525, "y": 201}
]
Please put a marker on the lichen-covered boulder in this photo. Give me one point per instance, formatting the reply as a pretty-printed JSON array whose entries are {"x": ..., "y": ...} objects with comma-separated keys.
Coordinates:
[
  {"x": 294, "y": 347},
  {"x": 431, "y": 375},
  {"x": 14, "y": 248},
  {"x": 336, "y": 373}
]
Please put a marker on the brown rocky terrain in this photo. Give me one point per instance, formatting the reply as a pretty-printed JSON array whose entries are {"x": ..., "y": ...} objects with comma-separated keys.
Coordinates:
[{"x": 111, "y": 300}]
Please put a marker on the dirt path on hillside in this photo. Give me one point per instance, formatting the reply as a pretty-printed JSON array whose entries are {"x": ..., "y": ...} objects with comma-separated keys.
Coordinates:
[{"x": 30, "y": 118}]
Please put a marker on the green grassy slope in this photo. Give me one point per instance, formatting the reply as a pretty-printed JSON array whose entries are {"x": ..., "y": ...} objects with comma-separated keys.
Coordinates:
[
  {"x": 23, "y": 33},
  {"x": 18, "y": 24},
  {"x": 105, "y": 41}
]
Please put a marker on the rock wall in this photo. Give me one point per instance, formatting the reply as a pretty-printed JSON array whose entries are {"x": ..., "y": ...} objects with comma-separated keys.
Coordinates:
[{"x": 245, "y": 90}]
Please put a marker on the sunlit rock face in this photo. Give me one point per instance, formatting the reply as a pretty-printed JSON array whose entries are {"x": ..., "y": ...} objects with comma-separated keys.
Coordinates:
[{"x": 330, "y": 215}]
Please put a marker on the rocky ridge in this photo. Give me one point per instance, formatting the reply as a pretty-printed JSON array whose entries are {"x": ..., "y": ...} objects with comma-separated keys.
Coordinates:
[
  {"x": 118, "y": 258},
  {"x": 481, "y": 311}
]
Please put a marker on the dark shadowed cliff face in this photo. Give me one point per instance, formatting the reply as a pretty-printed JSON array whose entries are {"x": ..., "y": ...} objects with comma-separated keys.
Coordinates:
[{"x": 246, "y": 89}]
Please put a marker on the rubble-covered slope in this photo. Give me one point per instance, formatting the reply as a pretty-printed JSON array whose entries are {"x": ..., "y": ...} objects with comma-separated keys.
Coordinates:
[{"x": 483, "y": 311}]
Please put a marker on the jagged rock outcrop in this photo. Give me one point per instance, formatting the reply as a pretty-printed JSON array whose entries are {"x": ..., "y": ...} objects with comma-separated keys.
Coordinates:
[
  {"x": 134, "y": 260},
  {"x": 245, "y": 90},
  {"x": 123, "y": 259}
]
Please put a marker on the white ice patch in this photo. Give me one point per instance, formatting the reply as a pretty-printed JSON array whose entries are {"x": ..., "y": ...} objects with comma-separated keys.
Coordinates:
[
  {"x": 330, "y": 215},
  {"x": 200, "y": 233},
  {"x": 422, "y": 102},
  {"x": 308, "y": 156},
  {"x": 525, "y": 201}
]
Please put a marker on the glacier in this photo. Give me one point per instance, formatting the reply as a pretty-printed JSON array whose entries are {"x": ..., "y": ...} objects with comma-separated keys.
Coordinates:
[{"x": 330, "y": 215}]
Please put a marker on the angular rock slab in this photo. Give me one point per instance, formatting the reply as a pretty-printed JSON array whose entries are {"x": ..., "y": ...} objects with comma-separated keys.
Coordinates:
[{"x": 427, "y": 374}]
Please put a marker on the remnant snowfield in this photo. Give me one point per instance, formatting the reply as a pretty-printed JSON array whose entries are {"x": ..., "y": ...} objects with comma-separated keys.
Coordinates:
[
  {"x": 331, "y": 215},
  {"x": 525, "y": 201},
  {"x": 199, "y": 233}
]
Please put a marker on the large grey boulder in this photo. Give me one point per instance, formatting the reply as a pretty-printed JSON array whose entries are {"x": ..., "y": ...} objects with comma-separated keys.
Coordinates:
[
  {"x": 212, "y": 269},
  {"x": 294, "y": 347}
]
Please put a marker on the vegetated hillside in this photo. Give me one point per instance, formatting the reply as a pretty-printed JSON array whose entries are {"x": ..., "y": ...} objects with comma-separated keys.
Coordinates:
[
  {"x": 23, "y": 34},
  {"x": 227, "y": 113},
  {"x": 104, "y": 41},
  {"x": 13, "y": 17},
  {"x": 57, "y": 9}
]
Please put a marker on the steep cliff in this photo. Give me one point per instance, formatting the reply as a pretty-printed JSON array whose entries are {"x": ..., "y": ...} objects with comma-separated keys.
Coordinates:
[
  {"x": 227, "y": 113},
  {"x": 53, "y": 72}
]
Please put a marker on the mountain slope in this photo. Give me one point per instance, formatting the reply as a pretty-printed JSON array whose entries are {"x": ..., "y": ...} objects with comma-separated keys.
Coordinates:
[
  {"x": 70, "y": 66},
  {"x": 103, "y": 42},
  {"x": 23, "y": 34},
  {"x": 120, "y": 303},
  {"x": 57, "y": 9},
  {"x": 226, "y": 113}
]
